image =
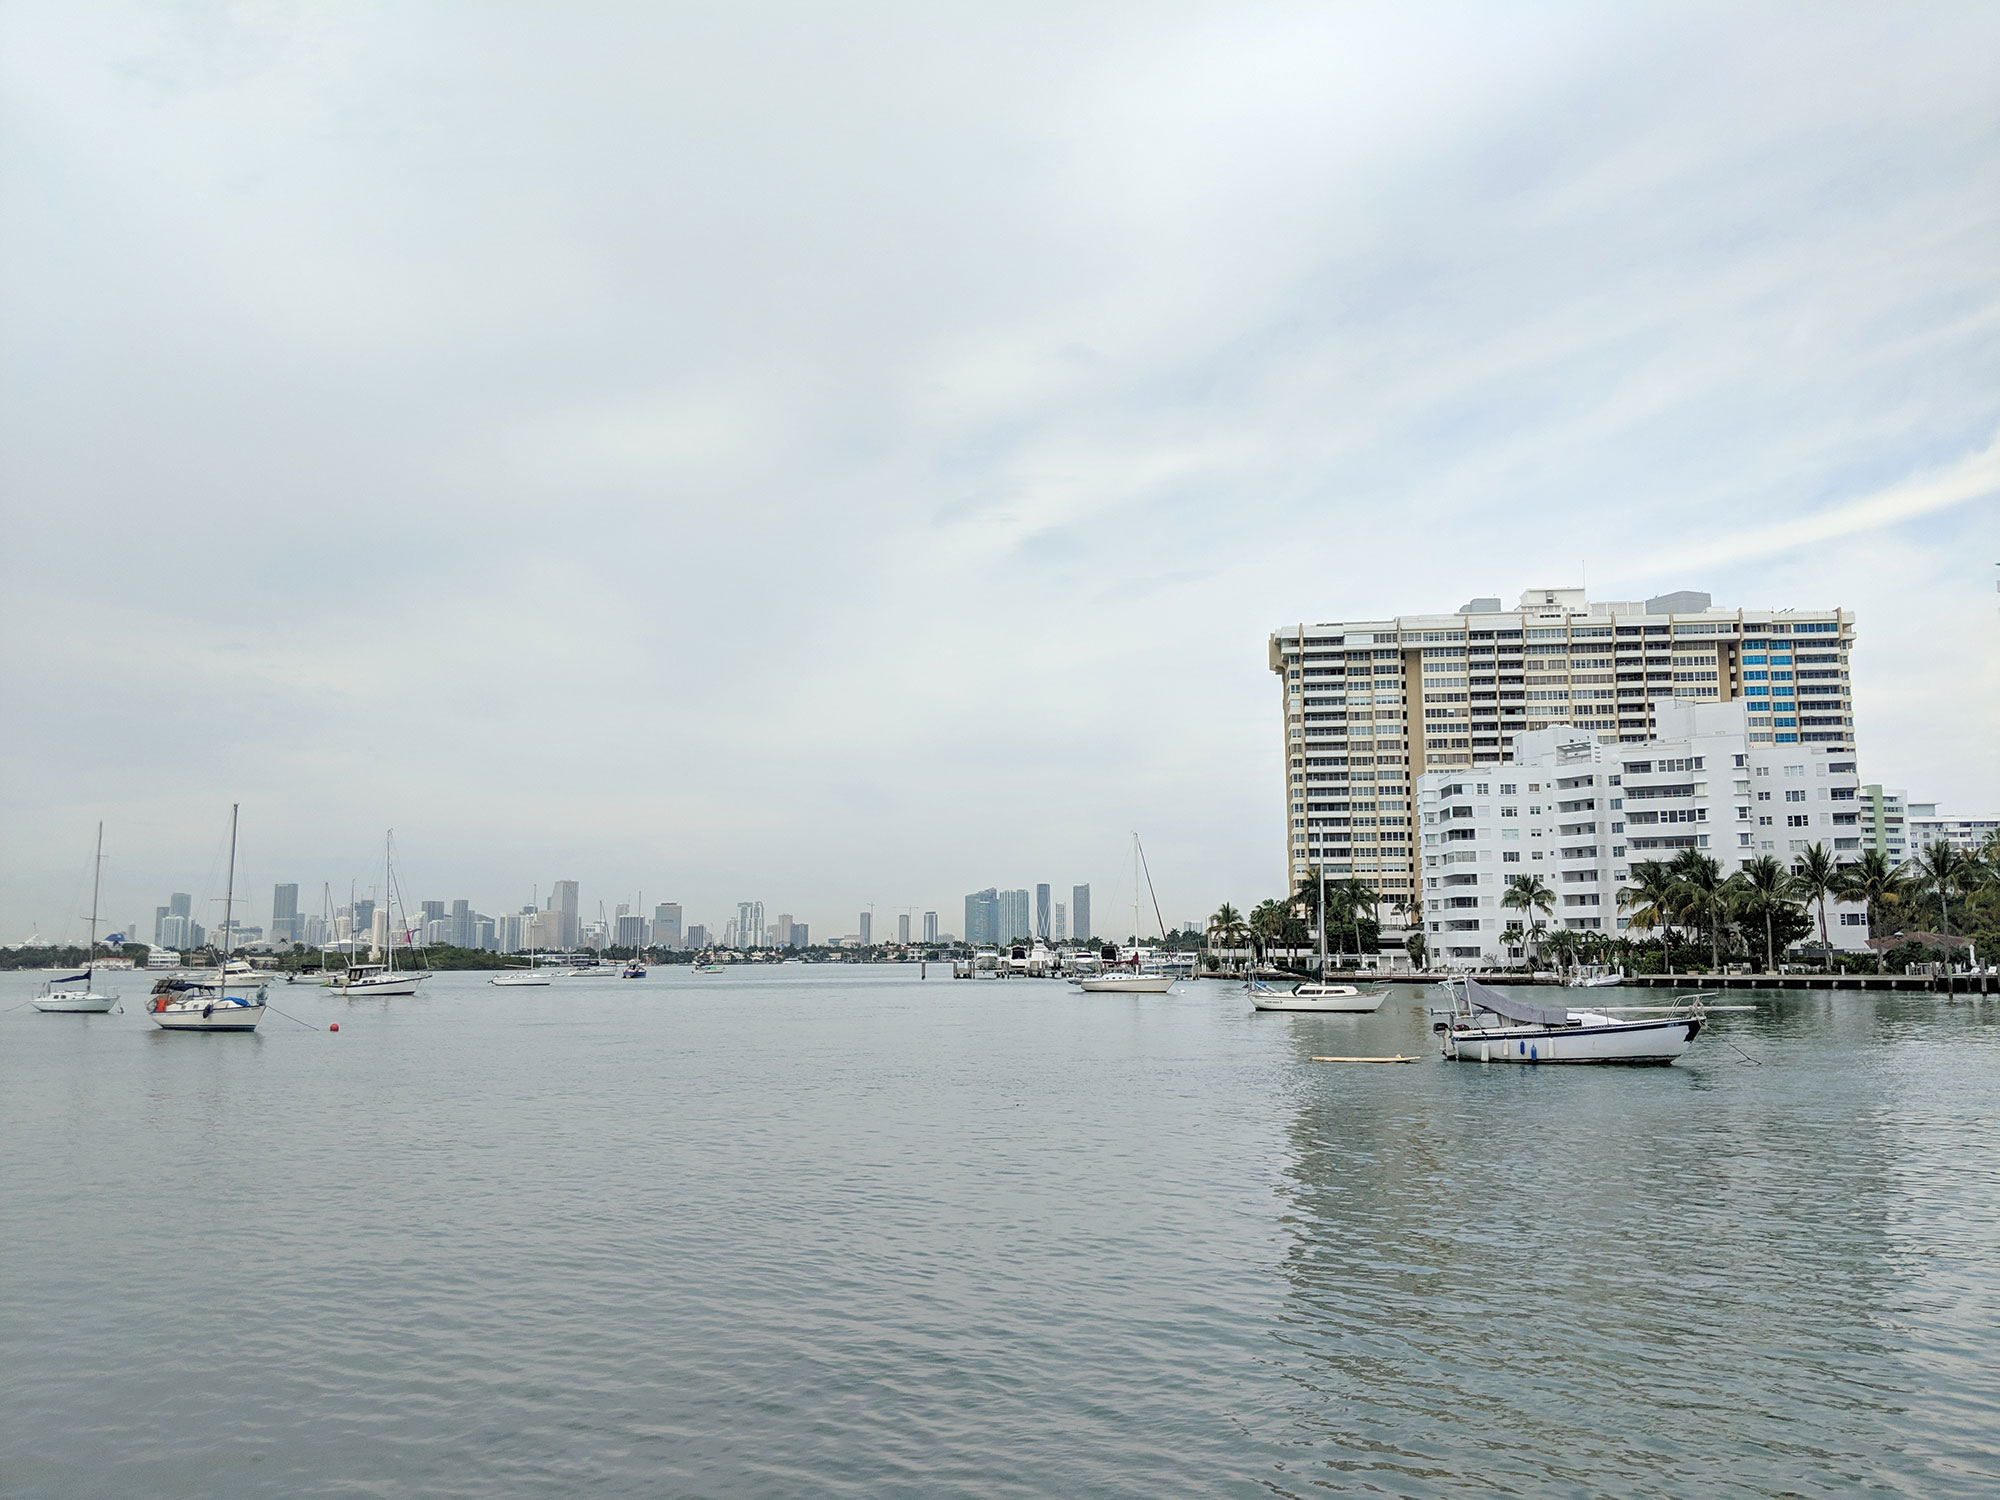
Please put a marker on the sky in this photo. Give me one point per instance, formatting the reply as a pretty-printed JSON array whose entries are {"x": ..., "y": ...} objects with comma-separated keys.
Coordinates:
[{"x": 855, "y": 455}]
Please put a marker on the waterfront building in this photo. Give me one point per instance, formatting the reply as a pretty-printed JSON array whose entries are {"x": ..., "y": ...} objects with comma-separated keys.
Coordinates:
[
  {"x": 867, "y": 928},
  {"x": 1059, "y": 929},
  {"x": 629, "y": 931},
  {"x": 1578, "y": 812},
  {"x": 982, "y": 917},
  {"x": 1014, "y": 926},
  {"x": 1367, "y": 706},
  {"x": 1925, "y": 827},
  {"x": 801, "y": 934},
  {"x": 1884, "y": 822},
  {"x": 748, "y": 927},
  {"x": 179, "y": 907},
  {"x": 1079, "y": 914},
  {"x": 431, "y": 911},
  {"x": 697, "y": 936},
  {"x": 563, "y": 900},
  {"x": 930, "y": 927},
  {"x": 667, "y": 925},
  {"x": 1042, "y": 924},
  {"x": 903, "y": 928}
]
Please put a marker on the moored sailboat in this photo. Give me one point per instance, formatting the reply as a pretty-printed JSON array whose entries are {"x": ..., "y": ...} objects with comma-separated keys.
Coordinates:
[
  {"x": 60, "y": 997},
  {"x": 192, "y": 1007}
]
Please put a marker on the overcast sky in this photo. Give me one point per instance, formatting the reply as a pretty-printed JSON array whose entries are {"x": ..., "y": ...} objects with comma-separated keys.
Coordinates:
[{"x": 851, "y": 453}]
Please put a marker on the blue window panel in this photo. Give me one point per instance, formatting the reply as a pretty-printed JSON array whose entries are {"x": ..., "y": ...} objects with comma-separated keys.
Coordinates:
[
  {"x": 1756, "y": 692},
  {"x": 1781, "y": 661},
  {"x": 1785, "y": 723},
  {"x": 1781, "y": 677},
  {"x": 1785, "y": 739},
  {"x": 1753, "y": 661},
  {"x": 1755, "y": 676},
  {"x": 1782, "y": 692}
]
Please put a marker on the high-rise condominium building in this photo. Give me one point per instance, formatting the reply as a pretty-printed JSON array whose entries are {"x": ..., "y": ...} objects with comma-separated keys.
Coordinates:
[
  {"x": 930, "y": 927},
  {"x": 749, "y": 924},
  {"x": 1014, "y": 926},
  {"x": 667, "y": 925},
  {"x": 1059, "y": 930},
  {"x": 1042, "y": 927},
  {"x": 698, "y": 936},
  {"x": 1367, "y": 705},
  {"x": 1575, "y": 813},
  {"x": 1079, "y": 913},
  {"x": 903, "y": 928},
  {"x": 629, "y": 931},
  {"x": 284, "y": 913},
  {"x": 982, "y": 916},
  {"x": 564, "y": 902},
  {"x": 867, "y": 928}
]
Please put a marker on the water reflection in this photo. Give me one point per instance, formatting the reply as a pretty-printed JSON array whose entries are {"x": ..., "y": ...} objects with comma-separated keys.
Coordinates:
[{"x": 1657, "y": 1281}]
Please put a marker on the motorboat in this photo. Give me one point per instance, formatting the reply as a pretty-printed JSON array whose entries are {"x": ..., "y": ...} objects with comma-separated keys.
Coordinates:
[
  {"x": 1487, "y": 1025},
  {"x": 633, "y": 970},
  {"x": 1341, "y": 999},
  {"x": 710, "y": 968},
  {"x": 77, "y": 994},
  {"x": 179, "y": 1005},
  {"x": 1595, "y": 977}
]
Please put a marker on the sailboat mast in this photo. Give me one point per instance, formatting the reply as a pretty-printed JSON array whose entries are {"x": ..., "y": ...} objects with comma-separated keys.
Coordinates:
[
  {"x": 96, "y": 878},
  {"x": 388, "y": 905},
  {"x": 228, "y": 901}
]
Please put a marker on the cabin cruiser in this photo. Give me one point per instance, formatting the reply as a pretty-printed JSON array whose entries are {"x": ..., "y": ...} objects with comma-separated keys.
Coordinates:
[{"x": 1315, "y": 997}]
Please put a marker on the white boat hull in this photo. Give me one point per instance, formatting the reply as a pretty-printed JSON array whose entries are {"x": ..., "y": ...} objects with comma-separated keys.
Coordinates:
[
  {"x": 402, "y": 984},
  {"x": 206, "y": 1015},
  {"x": 1638, "y": 1042},
  {"x": 520, "y": 981},
  {"x": 1353, "y": 1003},
  {"x": 1127, "y": 984},
  {"x": 74, "y": 1003}
]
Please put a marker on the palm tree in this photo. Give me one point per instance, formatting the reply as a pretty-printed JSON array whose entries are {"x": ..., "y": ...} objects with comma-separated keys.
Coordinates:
[
  {"x": 1565, "y": 944},
  {"x": 1228, "y": 927},
  {"x": 1816, "y": 874},
  {"x": 1361, "y": 897},
  {"x": 1872, "y": 879},
  {"x": 1267, "y": 925},
  {"x": 1763, "y": 888},
  {"x": 1529, "y": 894},
  {"x": 1699, "y": 893},
  {"x": 1942, "y": 867},
  {"x": 1418, "y": 947},
  {"x": 1650, "y": 900}
]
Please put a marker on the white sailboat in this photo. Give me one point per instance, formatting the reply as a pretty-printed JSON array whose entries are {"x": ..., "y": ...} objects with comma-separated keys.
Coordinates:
[
  {"x": 1485, "y": 1025},
  {"x": 1132, "y": 981},
  {"x": 381, "y": 980},
  {"x": 1317, "y": 996},
  {"x": 205, "y": 1007},
  {"x": 61, "y": 997}
]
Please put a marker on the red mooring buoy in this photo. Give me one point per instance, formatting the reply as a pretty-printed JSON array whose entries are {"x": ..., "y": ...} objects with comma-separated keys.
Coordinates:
[{"x": 334, "y": 1027}]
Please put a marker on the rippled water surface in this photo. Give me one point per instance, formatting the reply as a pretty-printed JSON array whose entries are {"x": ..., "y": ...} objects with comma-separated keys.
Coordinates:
[{"x": 839, "y": 1230}]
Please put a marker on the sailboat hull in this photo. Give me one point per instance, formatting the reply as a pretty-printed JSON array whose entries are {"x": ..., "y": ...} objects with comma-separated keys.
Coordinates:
[
  {"x": 401, "y": 984},
  {"x": 1640, "y": 1043},
  {"x": 74, "y": 1003},
  {"x": 1127, "y": 984},
  {"x": 230, "y": 1015}
]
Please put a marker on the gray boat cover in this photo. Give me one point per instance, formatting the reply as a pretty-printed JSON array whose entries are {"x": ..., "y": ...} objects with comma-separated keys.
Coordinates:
[{"x": 1523, "y": 1011}]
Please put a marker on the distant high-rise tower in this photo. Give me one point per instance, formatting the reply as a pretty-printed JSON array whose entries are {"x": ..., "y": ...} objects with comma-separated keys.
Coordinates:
[
  {"x": 1042, "y": 928},
  {"x": 930, "y": 927},
  {"x": 1079, "y": 913},
  {"x": 284, "y": 913},
  {"x": 867, "y": 928},
  {"x": 982, "y": 916},
  {"x": 563, "y": 901},
  {"x": 903, "y": 928},
  {"x": 749, "y": 923},
  {"x": 667, "y": 925},
  {"x": 1014, "y": 926},
  {"x": 1061, "y": 929}
]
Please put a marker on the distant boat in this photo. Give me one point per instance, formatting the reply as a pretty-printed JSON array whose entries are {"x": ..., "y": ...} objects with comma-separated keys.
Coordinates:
[
  {"x": 1343, "y": 999},
  {"x": 59, "y": 997},
  {"x": 1126, "y": 984},
  {"x": 708, "y": 968},
  {"x": 381, "y": 981},
  {"x": 184, "y": 1007},
  {"x": 1595, "y": 977}
]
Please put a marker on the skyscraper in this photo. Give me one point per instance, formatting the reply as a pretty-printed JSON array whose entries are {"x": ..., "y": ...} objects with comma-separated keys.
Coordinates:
[
  {"x": 1079, "y": 913},
  {"x": 667, "y": 925},
  {"x": 1042, "y": 928},
  {"x": 903, "y": 928},
  {"x": 1061, "y": 929},
  {"x": 982, "y": 916},
  {"x": 749, "y": 923},
  {"x": 867, "y": 928},
  {"x": 930, "y": 927},
  {"x": 1368, "y": 705},
  {"x": 1014, "y": 926},
  {"x": 563, "y": 901},
  {"x": 284, "y": 913}
]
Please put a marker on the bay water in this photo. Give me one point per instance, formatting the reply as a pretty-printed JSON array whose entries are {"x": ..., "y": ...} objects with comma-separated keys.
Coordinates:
[{"x": 832, "y": 1230}]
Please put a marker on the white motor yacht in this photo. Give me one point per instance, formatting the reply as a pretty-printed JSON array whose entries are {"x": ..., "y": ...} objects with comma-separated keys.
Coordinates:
[{"x": 1126, "y": 984}]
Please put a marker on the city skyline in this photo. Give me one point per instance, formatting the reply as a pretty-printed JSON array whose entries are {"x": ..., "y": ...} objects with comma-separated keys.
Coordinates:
[{"x": 1683, "y": 302}]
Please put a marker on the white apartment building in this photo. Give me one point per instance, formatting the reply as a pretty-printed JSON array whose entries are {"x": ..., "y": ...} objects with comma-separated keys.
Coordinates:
[
  {"x": 1963, "y": 834},
  {"x": 1368, "y": 705},
  {"x": 1579, "y": 812}
]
